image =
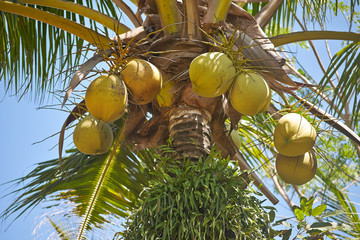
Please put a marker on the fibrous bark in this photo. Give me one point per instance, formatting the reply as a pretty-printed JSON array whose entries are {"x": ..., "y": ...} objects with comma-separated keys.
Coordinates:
[{"x": 189, "y": 129}]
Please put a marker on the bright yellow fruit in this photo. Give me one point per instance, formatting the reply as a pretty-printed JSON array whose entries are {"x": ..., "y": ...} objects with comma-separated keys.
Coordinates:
[
  {"x": 143, "y": 79},
  {"x": 296, "y": 170},
  {"x": 250, "y": 94},
  {"x": 267, "y": 104},
  {"x": 234, "y": 135},
  {"x": 92, "y": 136},
  {"x": 294, "y": 135},
  {"x": 211, "y": 74},
  {"x": 106, "y": 98},
  {"x": 166, "y": 97}
]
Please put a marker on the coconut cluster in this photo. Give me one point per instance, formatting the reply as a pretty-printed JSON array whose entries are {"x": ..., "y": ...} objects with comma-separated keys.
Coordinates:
[
  {"x": 294, "y": 138},
  {"x": 106, "y": 99},
  {"x": 213, "y": 74}
]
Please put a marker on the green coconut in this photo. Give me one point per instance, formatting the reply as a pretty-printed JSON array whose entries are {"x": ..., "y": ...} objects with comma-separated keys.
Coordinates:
[
  {"x": 250, "y": 94},
  {"x": 106, "y": 98},
  {"x": 92, "y": 136},
  {"x": 296, "y": 170},
  {"x": 211, "y": 74},
  {"x": 294, "y": 135},
  {"x": 143, "y": 79}
]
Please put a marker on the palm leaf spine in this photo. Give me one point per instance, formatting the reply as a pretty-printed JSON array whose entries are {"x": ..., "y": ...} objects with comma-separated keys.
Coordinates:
[
  {"x": 61, "y": 233},
  {"x": 283, "y": 39},
  {"x": 192, "y": 20},
  {"x": 264, "y": 16},
  {"x": 169, "y": 15},
  {"x": 72, "y": 27},
  {"x": 102, "y": 178},
  {"x": 217, "y": 11},
  {"x": 127, "y": 10},
  {"x": 92, "y": 14}
]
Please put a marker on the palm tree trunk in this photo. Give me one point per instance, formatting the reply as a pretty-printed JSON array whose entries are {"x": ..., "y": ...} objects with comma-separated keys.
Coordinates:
[
  {"x": 189, "y": 121},
  {"x": 190, "y": 131}
]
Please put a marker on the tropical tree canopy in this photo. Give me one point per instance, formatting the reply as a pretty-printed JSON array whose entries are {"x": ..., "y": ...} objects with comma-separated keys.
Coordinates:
[{"x": 194, "y": 148}]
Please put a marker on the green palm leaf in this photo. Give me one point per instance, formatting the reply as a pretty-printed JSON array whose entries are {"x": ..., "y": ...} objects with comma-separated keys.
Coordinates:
[
  {"x": 61, "y": 232},
  {"x": 35, "y": 57},
  {"x": 338, "y": 202},
  {"x": 312, "y": 11},
  {"x": 76, "y": 180},
  {"x": 348, "y": 87},
  {"x": 29, "y": 59},
  {"x": 313, "y": 35}
]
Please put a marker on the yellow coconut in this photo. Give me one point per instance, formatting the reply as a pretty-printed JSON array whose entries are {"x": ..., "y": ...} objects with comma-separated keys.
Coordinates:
[
  {"x": 211, "y": 74},
  {"x": 249, "y": 94},
  {"x": 267, "y": 104},
  {"x": 234, "y": 135},
  {"x": 143, "y": 80},
  {"x": 296, "y": 170},
  {"x": 106, "y": 98},
  {"x": 92, "y": 136},
  {"x": 294, "y": 135},
  {"x": 166, "y": 97}
]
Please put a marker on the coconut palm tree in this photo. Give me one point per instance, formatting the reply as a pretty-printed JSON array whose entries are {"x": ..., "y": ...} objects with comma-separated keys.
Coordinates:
[{"x": 44, "y": 42}]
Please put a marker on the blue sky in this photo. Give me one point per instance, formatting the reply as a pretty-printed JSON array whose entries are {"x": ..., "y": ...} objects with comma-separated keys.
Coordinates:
[{"x": 21, "y": 125}]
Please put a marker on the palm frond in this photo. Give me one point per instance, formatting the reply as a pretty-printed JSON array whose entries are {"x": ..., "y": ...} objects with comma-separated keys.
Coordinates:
[
  {"x": 61, "y": 232},
  {"x": 72, "y": 27},
  {"x": 137, "y": 21},
  {"x": 100, "y": 180},
  {"x": 29, "y": 59},
  {"x": 169, "y": 15},
  {"x": 192, "y": 20},
  {"x": 76, "y": 179},
  {"x": 35, "y": 56},
  {"x": 313, "y": 35},
  {"x": 217, "y": 11},
  {"x": 263, "y": 17},
  {"x": 338, "y": 202},
  {"x": 105, "y": 20},
  {"x": 255, "y": 133},
  {"x": 282, "y": 18},
  {"x": 348, "y": 86},
  {"x": 311, "y": 11}
]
